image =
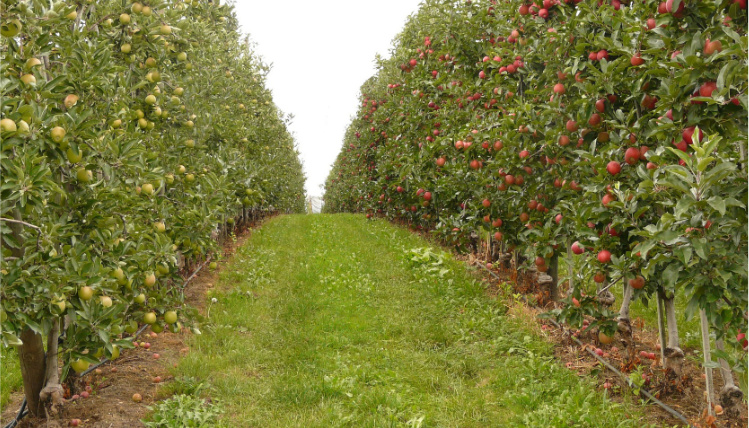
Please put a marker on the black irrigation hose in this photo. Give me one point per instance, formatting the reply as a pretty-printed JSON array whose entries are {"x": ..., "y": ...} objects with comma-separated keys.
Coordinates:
[
  {"x": 106, "y": 360},
  {"x": 608, "y": 365},
  {"x": 21, "y": 413},
  {"x": 190, "y": 278}
]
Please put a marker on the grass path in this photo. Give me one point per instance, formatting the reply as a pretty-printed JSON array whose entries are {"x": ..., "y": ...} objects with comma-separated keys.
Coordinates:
[{"x": 323, "y": 321}]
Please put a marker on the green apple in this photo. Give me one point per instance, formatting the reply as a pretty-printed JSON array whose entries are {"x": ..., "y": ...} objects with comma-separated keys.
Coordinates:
[
  {"x": 106, "y": 301},
  {"x": 11, "y": 28},
  {"x": 149, "y": 318},
  {"x": 115, "y": 352},
  {"x": 23, "y": 127},
  {"x": 150, "y": 280},
  {"x": 60, "y": 303},
  {"x": 74, "y": 156},
  {"x": 31, "y": 63},
  {"x": 132, "y": 327},
  {"x": 83, "y": 175},
  {"x": 159, "y": 227},
  {"x": 162, "y": 268},
  {"x": 8, "y": 125},
  {"x": 57, "y": 133},
  {"x": 170, "y": 317},
  {"x": 140, "y": 298},
  {"x": 80, "y": 366},
  {"x": 85, "y": 293},
  {"x": 147, "y": 188}
]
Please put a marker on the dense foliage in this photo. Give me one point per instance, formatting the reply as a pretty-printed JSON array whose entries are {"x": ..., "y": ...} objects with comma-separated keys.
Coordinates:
[
  {"x": 616, "y": 131},
  {"x": 131, "y": 133}
]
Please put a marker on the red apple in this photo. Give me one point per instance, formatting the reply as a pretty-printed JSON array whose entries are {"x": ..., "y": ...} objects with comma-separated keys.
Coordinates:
[
  {"x": 679, "y": 12},
  {"x": 631, "y": 155},
  {"x": 559, "y": 89},
  {"x": 613, "y": 167},
  {"x": 688, "y": 134},
  {"x": 486, "y": 203},
  {"x": 577, "y": 248},
  {"x": 637, "y": 282},
  {"x": 707, "y": 89},
  {"x": 712, "y": 47},
  {"x": 601, "y": 105},
  {"x": 636, "y": 60},
  {"x": 604, "y": 256}
]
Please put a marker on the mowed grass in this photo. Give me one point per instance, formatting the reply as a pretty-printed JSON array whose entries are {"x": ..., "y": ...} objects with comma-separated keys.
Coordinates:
[
  {"x": 322, "y": 321},
  {"x": 10, "y": 375}
]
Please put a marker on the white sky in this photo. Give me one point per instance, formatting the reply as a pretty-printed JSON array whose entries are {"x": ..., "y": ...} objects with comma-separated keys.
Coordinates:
[{"x": 322, "y": 52}]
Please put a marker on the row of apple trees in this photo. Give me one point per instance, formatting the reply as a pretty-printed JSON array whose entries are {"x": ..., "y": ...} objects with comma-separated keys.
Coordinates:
[
  {"x": 132, "y": 134},
  {"x": 609, "y": 133}
]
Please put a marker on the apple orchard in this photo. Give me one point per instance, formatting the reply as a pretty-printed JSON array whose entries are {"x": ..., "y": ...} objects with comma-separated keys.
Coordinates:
[
  {"x": 600, "y": 142},
  {"x": 135, "y": 136}
]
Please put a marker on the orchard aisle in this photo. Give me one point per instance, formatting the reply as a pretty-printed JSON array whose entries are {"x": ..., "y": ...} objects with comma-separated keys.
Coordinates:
[{"x": 321, "y": 321}]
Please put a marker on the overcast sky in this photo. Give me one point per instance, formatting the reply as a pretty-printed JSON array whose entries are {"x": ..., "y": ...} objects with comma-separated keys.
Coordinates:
[{"x": 322, "y": 52}]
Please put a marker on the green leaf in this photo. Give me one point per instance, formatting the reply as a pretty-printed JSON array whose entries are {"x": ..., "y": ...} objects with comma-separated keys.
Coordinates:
[
  {"x": 718, "y": 204},
  {"x": 700, "y": 247}
]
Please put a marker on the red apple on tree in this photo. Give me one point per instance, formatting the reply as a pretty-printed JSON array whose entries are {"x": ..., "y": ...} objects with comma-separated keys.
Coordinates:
[
  {"x": 632, "y": 155},
  {"x": 637, "y": 60},
  {"x": 614, "y": 167}
]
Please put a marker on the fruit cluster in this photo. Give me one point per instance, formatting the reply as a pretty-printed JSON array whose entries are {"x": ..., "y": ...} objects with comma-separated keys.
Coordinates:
[
  {"x": 132, "y": 138},
  {"x": 611, "y": 134}
]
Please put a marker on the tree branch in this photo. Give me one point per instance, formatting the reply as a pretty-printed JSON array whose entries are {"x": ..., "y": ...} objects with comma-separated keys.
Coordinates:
[{"x": 37, "y": 228}]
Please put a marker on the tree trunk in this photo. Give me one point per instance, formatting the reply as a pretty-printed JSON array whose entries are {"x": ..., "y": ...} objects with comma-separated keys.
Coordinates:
[
  {"x": 52, "y": 391},
  {"x": 553, "y": 272},
  {"x": 624, "y": 326},
  {"x": 570, "y": 271},
  {"x": 707, "y": 361},
  {"x": 33, "y": 369},
  {"x": 31, "y": 352},
  {"x": 731, "y": 397},
  {"x": 673, "y": 353}
]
